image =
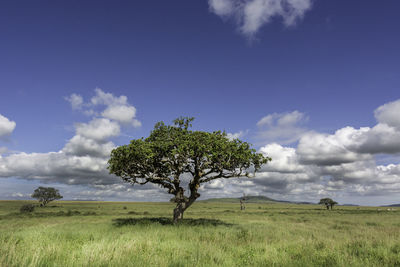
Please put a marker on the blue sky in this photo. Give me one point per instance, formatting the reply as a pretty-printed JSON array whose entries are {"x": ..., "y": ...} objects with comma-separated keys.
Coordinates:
[{"x": 281, "y": 74}]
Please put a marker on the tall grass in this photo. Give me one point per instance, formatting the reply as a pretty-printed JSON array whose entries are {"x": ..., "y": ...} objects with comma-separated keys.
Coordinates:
[{"x": 214, "y": 234}]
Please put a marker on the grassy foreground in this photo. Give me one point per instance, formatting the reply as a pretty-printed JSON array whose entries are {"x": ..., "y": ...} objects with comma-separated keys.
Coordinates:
[{"x": 213, "y": 234}]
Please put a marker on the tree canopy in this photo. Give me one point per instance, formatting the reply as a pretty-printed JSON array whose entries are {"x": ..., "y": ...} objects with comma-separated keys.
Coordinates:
[
  {"x": 173, "y": 152},
  {"x": 46, "y": 195}
]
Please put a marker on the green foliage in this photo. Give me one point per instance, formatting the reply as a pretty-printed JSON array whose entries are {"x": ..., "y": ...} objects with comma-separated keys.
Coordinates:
[
  {"x": 46, "y": 195},
  {"x": 27, "y": 208},
  {"x": 329, "y": 203},
  {"x": 173, "y": 150}
]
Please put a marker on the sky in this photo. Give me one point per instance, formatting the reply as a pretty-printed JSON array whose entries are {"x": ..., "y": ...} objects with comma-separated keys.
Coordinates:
[{"x": 314, "y": 84}]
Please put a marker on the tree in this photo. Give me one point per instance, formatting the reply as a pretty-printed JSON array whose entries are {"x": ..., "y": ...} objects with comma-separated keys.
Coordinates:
[
  {"x": 329, "y": 203},
  {"x": 332, "y": 203},
  {"x": 242, "y": 202},
  {"x": 46, "y": 195},
  {"x": 174, "y": 156}
]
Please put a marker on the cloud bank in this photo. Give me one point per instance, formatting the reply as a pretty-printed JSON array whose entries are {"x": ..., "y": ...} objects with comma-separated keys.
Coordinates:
[
  {"x": 341, "y": 164},
  {"x": 83, "y": 159},
  {"x": 344, "y": 162},
  {"x": 251, "y": 15}
]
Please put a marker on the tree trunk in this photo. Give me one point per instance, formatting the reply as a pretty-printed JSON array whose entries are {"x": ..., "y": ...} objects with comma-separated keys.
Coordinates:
[
  {"x": 180, "y": 209},
  {"x": 178, "y": 213}
]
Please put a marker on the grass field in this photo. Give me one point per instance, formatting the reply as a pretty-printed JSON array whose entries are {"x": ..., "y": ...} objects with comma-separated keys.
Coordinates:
[{"x": 212, "y": 234}]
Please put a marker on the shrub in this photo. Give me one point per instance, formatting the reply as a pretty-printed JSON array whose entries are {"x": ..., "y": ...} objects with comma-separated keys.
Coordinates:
[
  {"x": 27, "y": 208},
  {"x": 133, "y": 213},
  {"x": 73, "y": 212}
]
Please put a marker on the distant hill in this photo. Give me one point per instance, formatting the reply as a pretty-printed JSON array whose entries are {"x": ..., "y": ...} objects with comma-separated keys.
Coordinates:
[
  {"x": 252, "y": 199},
  {"x": 393, "y": 205}
]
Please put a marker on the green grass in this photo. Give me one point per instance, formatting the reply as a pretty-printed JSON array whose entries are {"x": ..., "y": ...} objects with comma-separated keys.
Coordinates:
[{"x": 212, "y": 234}]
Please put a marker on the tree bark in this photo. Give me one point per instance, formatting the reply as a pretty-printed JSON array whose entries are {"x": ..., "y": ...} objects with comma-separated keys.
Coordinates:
[
  {"x": 181, "y": 207},
  {"x": 178, "y": 213}
]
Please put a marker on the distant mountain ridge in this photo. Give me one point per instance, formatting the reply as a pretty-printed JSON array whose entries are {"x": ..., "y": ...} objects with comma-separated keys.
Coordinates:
[
  {"x": 393, "y": 205},
  {"x": 253, "y": 199}
]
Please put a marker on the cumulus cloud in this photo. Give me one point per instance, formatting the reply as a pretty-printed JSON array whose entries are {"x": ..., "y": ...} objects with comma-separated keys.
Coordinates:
[
  {"x": 237, "y": 135},
  {"x": 56, "y": 167},
  {"x": 251, "y": 15},
  {"x": 324, "y": 149},
  {"x": 19, "y": 195},
  {"x": 349, "y": 144},
  {"x": 124, "y": 114},
  {"x": 82, "y": 146},
  {"x": 6, "y": 126},
  {"x": 382, "y": 138},
  {"x": 83, "y": 159},
  {"x": 111, "y": 107},
  {"x": 285, "y": 159},
  {"x": 221, "y": 7},
  {"x": 389, "y": 114},
  {"x": 107, "y": 99},
  {"x": 98, "y": 129},
  {"x": 283, "y": 128},
  {"x": 75, "y": 100},
  {"x": 337, "y": 164}
]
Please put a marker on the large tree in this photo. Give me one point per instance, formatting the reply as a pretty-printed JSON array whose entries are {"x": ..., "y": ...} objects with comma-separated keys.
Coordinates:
[
  {"x": 174, "y": 157},
  {"x": 328, "y": 202},
  {"x": 46, "y": 195}
]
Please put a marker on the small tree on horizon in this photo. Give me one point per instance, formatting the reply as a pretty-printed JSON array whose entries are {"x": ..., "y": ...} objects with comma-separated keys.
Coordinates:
[
  {"x": 242, "y": 202},
  {"x": 46, "y": 194},
  {"x": 329, "y": 203},
  {"x": 174, "y": 157}
]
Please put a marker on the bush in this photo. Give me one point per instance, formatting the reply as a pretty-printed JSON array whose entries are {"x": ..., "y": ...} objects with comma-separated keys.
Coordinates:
[
  {"x": 27, "y": 208},
  {"x": 72, "y": 212}
]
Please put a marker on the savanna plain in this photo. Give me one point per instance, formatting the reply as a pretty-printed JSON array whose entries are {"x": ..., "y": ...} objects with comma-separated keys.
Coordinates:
[{"x": 211, "y": 234}]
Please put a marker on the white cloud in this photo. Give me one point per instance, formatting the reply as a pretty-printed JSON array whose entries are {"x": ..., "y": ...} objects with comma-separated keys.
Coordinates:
[
  {"x": 283, "y": 128},
  {"x": 221, "y": 7},
  {"x": 20, "y": 195},
  {"x": 339, "y": 165},
  {"x": 389, "y": 114},
  {"x": 116, "y": 108},
  {"x": 237, "y": 135},
  {"x": 342, "y": 164},
  {"x": 283, "y": 119},
  {"x": 124, "y": 114},
  {"x": 82, "y": 146},
  {"x": 251, "y": 15},
  {"x": 6, "y": 126},
  {"x": 75, "y": 100},
  {"x": 382, "y": 138},
  {"x": 324, "y": 149},
  {"x": 284, "y": 159},
  {"x": 56, "y": 167},
  {"x": 108, "y": 99},
  {"x": 98, "y": 129},
  {"x": 83, "y": 160}
]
